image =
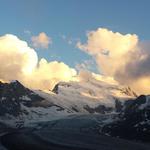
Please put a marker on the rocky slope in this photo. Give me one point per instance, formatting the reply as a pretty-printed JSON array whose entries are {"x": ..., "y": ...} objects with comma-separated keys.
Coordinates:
[
  {"x": 133, "y": 121},
  {"x": 72, "y": 111},
  {"x": 20, "y": 105}
]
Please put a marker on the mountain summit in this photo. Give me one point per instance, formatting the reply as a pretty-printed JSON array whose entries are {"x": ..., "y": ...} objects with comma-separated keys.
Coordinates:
[
  {"x": 94, "y": 108},
  {"x": 92, "y": 97}
]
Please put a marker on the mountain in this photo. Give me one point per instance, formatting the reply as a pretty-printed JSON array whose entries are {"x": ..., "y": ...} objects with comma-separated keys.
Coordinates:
[
  {"x": 93, "y": 96},
  {"x": 72, "y": 114},
  {"x": 133, "y": 122},
  {"x": 13, "y": 95},
  {"x": 20, "y": 104}
]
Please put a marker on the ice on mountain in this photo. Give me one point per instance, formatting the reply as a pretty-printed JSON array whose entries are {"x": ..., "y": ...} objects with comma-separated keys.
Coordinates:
[{"x": 25, "y": 97}]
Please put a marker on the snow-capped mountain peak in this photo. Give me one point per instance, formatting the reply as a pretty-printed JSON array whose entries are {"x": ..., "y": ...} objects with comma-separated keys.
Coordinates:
[{"x": 74, "y": 97}]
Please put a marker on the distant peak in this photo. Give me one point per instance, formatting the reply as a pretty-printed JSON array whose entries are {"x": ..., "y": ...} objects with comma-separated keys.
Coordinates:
[
  {"x": 56, "y": 87},
  {"x": 128, "y": 91},
  {"x": 14, "y": 81}
]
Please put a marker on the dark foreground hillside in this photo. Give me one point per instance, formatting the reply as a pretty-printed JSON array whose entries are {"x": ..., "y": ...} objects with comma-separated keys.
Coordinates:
[{"x": 73, "y": 133}]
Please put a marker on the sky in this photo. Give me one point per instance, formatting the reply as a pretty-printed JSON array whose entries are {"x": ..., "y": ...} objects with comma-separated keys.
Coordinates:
[
  {"x": 57, "y": 29},
  {"x": 72, "y": 18}
]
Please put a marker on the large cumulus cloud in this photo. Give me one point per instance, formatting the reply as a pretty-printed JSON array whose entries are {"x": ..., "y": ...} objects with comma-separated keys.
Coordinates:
[
  {"x": 109, "y": 48},
  {"x": 47, "y": 74},
  {"x": 120, "y": 56},
  {"x": 16, "y": 58},
  {"x": 19, "y": 61}
]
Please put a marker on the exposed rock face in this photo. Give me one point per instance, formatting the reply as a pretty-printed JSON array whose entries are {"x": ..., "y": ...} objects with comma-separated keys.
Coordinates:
[
  {"x": 133, "y": 122},
  {"x": 55, "y": 89},
  {"x": 13, "y": 95},
  {"x": 129, "y": 91},
  {"x": 118, "y": 106}
]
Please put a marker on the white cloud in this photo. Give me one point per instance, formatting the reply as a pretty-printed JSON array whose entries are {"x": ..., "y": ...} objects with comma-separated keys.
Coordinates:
[
  {"x": 47, "y": 74},
  {"x": 16, "y": 57},
  {"x": 120, "y": 56},
  {"x": 41, "y": 41},
  {"x": 116, "y": 44},
  {"x": 19, "y": 61},
  {"x": 85, "y": 75}
]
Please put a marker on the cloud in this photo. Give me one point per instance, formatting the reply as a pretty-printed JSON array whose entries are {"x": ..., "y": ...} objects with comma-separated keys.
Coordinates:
[
  {"x": 137, "y": 69},
  {"x": 85, "y": 75},
  {"x": 117, "y": 45},
  {"x": 16, "y": 57},
  {"x": 47, "y": 74},
  {"x": 120, "y": 56},
  {"x": 41, "y": 41},
  {"x": 19, "y": 61},
  {"x": 140, "y": 61}
]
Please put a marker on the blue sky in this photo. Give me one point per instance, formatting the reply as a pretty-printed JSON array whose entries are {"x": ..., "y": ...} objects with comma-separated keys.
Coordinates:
[{"x": 72, "y": 18}]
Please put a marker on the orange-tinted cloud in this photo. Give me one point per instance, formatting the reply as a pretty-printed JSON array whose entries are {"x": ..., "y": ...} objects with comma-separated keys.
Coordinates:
[
  {"x": 16, "y": 57},
  {"x": 120, "y": 56},
  {"x": 41, "y": 41},
  {"x": 20, "y": 62},
  {"x": 47, "y": 74}
]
